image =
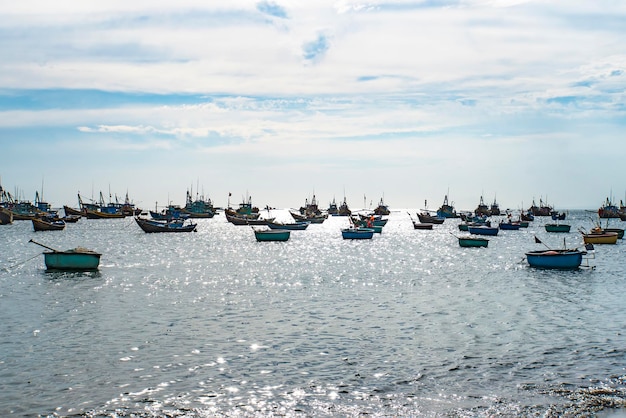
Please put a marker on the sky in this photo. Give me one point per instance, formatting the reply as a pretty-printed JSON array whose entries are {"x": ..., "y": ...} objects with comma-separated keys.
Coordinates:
[{"x": 407, "y": 100}]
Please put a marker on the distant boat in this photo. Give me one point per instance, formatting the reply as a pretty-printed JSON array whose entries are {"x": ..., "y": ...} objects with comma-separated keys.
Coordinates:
[
  {"x": 483, "y": 230},
  {"x": 333, "y": 209},
  {"x": 47, "y": 224},
  {"x": 509, "y": 226},
  {"x": 482, "y": 209},
  {"x": 382, "y": 209},
  {"x": 71, "y": 211},
  {"x": 357, "y": 233},
  {"x": 557, "y": 227},
  {"x": 198, "y": 208},
  {"x": 447, "y": 209},
  {"x": 297, "y": 226},
  {"x": 420, "y": 225},
  {"x": 542, "y": 210},
  {"x": 429, "y": 219},
  {"x": 556, "y": 216},
  {"x": 6, "y": 216},
  {"x": 309, "y": 217},
  {"x": 555, "y": 259},
  {"x": 469, "y": 241},
  {"x": 151, "y": 225},
  {"x": 609, "y": 210},
  {"x": 246, "y": 219},
  {"x": 344, "y": 210},
  {"x": 77, "y": 259},
  {"x": 272, "y": 234},
  {"x": 495, "y": 208}
]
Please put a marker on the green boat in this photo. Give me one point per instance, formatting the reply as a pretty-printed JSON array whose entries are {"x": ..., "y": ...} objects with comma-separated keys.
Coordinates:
[
  {"x": 272, "y": 234},
  {"x": 77, "y": 259},
  {"x": 470, "y": 241},
  {"x": 557, "y": 227}
]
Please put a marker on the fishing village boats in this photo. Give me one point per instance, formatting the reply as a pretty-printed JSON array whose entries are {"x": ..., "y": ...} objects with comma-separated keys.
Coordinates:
[
  {"x": 483, "y": 230},
  {"x": 77, "y": 259},
  {"x": 71, "y": 211},
  {"x": 425, "y": 217},
  {"x": 509, "y": 226},
  {"x": 556, "y": 216},
  {"x": 343, "y": 210},
  {"x": 296, "y": 226},
  {"x": 555, "y": 259},
  {"x": 247, "y": 219},
  {"x": 152, "y": 225},
  {"x": 333, "y": 209},
  {"x": 48, "y": 224},
  {"x": 310, "y": 212},
  {"x": 557, "y": 227},
  {"x": 272, "y": 234},
  {"x": 357, "y": 233},
  {"x": 420, "y": 225},
  {"x": 367, "y": 223}
]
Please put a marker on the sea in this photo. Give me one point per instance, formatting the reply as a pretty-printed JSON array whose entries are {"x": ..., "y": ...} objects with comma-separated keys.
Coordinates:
[{"x": 215, "y": 324}]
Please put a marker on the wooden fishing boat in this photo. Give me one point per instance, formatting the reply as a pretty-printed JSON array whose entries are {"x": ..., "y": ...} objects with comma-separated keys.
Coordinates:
[
  {"x": 495, "y": 208},
  {"x": 309, "y": 217},
  {"x": 382, "y": 209},
  {"x": 72, "y": 219},
  {"x": 77, "y": 259},
  {"x": 483, "y": 230},
  {"x": 357, "y": 233},
  {"x": 247, "y": 220},
  {"x": 555, "y": 259},
  {"x": 151, "y": 225},
  {"x": 557, "y": 227},
  {"x": 482, "y": 209},
  {"x": 47, "y": 224},
  {"x": 608, "y": 210},
  {"x": 424, "y": 217},
  {"x": 510, "y": 226},
  {"x": 470, "y": 241},
  {"x": 556, "y": 216},
  {"x": 600, "y": 238},
  {"x": 71, "y": 211},
  {"x": 99, "y": 214},
  {"x": 272, "y": 234},
  {"x": 198, "y": 208},
  {"x": 297, "y": 226},
  {"x": 620, "y": 232},
  {"x": 420, "y": 225},
  {"x": 6, "y": 216},
  {"x": 446, "y": 210}
]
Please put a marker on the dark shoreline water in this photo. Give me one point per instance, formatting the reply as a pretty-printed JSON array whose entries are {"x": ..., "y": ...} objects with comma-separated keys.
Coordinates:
[{"x": 215, "y": 324}]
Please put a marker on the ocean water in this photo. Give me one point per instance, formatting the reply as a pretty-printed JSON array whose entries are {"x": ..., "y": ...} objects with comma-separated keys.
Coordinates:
[{"x": 214, "y": 323}]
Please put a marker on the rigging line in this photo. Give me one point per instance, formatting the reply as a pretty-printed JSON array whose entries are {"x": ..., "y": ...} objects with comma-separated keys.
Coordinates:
[{"x": 22, "y": 262}]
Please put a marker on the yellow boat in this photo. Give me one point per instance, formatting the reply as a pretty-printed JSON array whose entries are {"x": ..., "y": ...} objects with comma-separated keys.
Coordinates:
[{"x": 600, "y": 238}]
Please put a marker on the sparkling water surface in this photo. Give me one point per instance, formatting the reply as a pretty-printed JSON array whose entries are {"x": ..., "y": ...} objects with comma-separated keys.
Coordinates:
[{"x": 214, "y": 323}]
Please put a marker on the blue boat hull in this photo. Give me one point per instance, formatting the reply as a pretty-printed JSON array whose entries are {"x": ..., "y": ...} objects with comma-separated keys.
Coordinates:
[
  {"x": 360, "y": 233},
  {"x": 562, "y": 260},
  {"x": 481, "y": 230},
  {"x": 75, "y": 261}
]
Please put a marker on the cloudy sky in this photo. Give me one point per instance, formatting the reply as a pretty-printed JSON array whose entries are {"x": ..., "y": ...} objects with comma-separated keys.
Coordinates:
[{"x": 407, "y": 100}]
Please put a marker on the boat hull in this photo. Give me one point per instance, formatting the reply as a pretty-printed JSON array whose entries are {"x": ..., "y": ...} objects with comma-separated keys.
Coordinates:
[
  {"x": 272, "y": 235},
  {"x": 555, "y": 259},
  {"x": 43, "y": 225},
  {"x": 152, "y": 226},
  {"x": 6, "y": 216},
  {"x": 420, "y": 225},
  {"x": 606, "y": 238},
  {"x": 357, "y": 233},
  {"x": 557, "y": 227},
  {"x": 483, "y": 230},
  {"x": 298, "y": 226},
  {"x": 473, "y": 242},
  {"x": 72, "y": 260},
  {"x": 510, "y": 226}
]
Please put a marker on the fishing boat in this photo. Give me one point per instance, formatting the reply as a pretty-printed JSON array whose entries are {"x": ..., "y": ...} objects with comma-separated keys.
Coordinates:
[
  {"x": 510, "y": 226},
  {"x": 483, "y": 230},
  {"x": 482, "y": 209},
  {"x": 608, "y": 210},
  {"x": 152, "y": 225},
  {"x": 619, "y": 231},
  {"x": 357, "y": 233},
  {"x": 542, "y": 210},
  {"x": 6, "y": 216},
  {"x": 420, "y": 225},
  {"x": 446, "y": 210},
  {"x": 71, "y": 211},
  {"x": 557, "y": 227},
  {"x": 76, "y": 259},
  {"x": 201, "y": 207},
  {"x": 272, "y": 234},
  {"x": 494, "y": 210},
  {"x": 343, "y": 209},
  {"x": 48, "y": 224},
  {"x": 333, "y": 209},
  {"x": 296, "y": 226},
  {"x": 556, "y": 216},
  {"x": 555, "y": 259},
  {"x": 247, "y": 219},
  {"x": 470, "y": 241},
  {"x": 382, "y": 209},
  {"x": 597, "y": 236},
  {"x": 425, "y": 217},
  {"x": 366, "y": 223},
  {"x": 309, "y": 217}
]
